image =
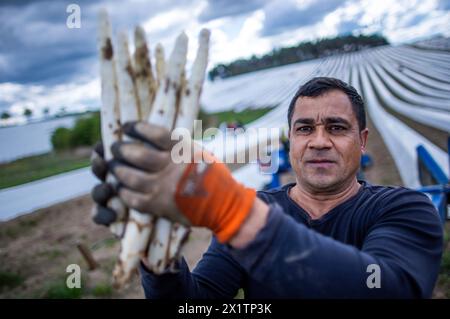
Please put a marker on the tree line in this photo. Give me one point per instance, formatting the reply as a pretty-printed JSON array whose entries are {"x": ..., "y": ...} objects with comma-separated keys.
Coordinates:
[{"x": 302, "y": 52}]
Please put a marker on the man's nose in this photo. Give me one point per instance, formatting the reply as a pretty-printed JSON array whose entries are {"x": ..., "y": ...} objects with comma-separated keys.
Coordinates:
[{"x": 320, "y": 139}]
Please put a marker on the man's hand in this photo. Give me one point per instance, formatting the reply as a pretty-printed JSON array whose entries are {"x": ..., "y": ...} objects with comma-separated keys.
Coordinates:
[{"x": 196, "y": 193}]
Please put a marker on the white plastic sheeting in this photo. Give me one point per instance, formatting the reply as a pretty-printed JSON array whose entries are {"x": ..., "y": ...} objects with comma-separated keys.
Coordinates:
[
  {"x": 256, "y": 89},
  {"x": 371, "y": 71},
  {"x": 423, "y": 90},
  {"x": 400, "y": 139},
  {"x": 427, "y": 116},
  {"x": 23, "y": 199},
  {"x": 26, "y": 198}
]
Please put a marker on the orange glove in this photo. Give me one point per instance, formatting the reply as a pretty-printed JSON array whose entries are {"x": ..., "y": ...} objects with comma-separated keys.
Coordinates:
[{"x": 209, "y": 196}]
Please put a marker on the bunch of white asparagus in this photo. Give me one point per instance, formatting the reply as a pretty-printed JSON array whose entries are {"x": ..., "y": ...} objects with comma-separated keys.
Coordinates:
[{"x": 131, "y": 92}]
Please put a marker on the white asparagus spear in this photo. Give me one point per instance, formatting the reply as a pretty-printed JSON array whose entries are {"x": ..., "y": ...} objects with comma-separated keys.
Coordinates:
[
  {"x": 110, "y": 114},
  {"x": 160, "y": 64},
  {"x": 189, "y": 105},
  {"x": 163, "y": 113},
  {"x": 138, "y": 226},
  {"x": 187, "y": 113},
  {"x": 163, "y": 110},
  {"x": 145, "y": 82}
]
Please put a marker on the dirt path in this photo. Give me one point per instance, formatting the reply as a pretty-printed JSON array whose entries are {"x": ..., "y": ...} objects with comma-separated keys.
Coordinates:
[{"x": 383, "y": 171}]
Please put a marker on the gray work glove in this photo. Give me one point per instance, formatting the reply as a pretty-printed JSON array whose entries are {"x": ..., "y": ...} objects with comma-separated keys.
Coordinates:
[{"x": 103, "y": 192}]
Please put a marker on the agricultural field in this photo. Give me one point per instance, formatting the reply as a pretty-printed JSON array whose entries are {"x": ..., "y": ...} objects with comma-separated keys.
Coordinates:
[{"x": 407, "y": 93}]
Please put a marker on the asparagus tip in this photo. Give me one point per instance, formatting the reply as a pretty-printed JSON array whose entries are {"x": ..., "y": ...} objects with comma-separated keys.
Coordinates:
[
  {"x": 139, "y": 36},
  {"x": 205, "y": 33}
]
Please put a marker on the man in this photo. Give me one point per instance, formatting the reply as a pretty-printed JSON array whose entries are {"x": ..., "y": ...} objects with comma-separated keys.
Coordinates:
[{"x": 326, "y": 236}]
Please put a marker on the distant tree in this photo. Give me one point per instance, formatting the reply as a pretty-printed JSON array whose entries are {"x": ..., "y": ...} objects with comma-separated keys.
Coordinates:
[
  {"x": 5, "y": 115},
  {"x": 86, "y": 132},
  {"x": 61, "y": 138},
  {"x": 28, "y": 113}
]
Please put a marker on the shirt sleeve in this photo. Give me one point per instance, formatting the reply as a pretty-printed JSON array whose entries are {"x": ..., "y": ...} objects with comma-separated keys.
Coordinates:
[
  {"x": 217, "y": 275},
  {"x": 403, "y": 248}
]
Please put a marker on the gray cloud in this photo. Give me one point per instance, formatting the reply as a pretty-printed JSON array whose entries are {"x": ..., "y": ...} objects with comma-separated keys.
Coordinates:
[
  {"x": 37, "y": 47},
  {"x": 223, "y": 8},
  {"x": 289, "y": 16},
  {"x": 444, "y": 5}
]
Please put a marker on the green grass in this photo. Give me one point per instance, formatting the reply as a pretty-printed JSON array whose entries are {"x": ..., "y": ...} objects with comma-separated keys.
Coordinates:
[
  {"x": 213, "y": 120},
  {"x": 102, "y": 290},
  {"x": 443, "y": 281},
  {"x": 9, "y": 280},
  {"x": 59, "y": 290},
  {"x": 245, "y": 116},
  {"x": 36, "y": 167},
  {"x": 446, "y": 236},
  {"x": 445, "y": 264}
]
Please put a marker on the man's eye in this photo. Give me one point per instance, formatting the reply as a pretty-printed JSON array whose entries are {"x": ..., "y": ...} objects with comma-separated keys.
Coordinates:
[
  {"x": 337, "y": 128},
  {"x": 304, "y": 129}
]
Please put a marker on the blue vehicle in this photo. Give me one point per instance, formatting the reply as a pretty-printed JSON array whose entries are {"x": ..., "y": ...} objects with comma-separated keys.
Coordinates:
[
  {"x": 279, "y": 164},
  {"x": 435, "y": 182}
]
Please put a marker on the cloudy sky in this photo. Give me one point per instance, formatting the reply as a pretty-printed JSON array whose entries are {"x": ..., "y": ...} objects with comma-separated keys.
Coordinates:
[{"x": 45, "y": 64}]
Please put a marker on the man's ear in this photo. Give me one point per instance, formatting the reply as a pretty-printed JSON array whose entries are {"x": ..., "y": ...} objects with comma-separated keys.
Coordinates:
[{"x": 363, "y": 137}]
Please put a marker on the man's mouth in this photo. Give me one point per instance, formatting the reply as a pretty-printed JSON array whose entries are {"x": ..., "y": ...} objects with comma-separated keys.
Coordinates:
[
  {"x": 320, "y": 160},
  {"x": 320, "y": 163}
]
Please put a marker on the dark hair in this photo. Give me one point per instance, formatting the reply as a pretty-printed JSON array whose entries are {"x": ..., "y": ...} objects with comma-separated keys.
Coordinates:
[{"x": 320, "y": 85}]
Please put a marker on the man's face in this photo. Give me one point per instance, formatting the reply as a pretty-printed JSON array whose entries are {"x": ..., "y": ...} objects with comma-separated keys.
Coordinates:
[{"x": 325, "y": 142}]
